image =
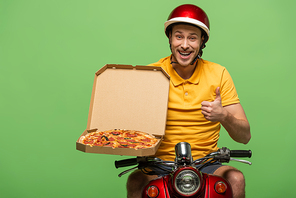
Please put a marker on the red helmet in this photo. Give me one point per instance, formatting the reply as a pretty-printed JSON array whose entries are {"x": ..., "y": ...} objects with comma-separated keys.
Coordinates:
[{"x": 192, "y": 14}]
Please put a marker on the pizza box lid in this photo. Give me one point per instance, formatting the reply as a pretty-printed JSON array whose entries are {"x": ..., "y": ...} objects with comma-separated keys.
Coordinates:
[{"x": 128, "y": 97}]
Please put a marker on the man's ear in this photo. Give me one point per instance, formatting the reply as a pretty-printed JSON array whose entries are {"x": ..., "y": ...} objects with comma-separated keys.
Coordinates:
[
  {"x": 202, "y": 42},
  {"x": 170, "y": 38}
]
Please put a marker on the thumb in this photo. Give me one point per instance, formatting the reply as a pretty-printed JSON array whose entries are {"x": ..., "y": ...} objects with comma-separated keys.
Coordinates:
[{"x": 218, "y": 96}]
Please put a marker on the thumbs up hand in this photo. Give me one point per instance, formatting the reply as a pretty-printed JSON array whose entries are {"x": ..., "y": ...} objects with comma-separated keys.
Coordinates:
[{"x": 214, "y": 111}]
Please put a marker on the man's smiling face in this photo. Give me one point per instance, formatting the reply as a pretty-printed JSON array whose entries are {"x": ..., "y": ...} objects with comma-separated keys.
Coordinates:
[{"x": 185, "y": 41}]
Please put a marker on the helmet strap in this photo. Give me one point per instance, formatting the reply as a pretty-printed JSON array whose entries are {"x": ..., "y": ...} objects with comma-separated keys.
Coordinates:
[
  {"x": 195, "y": 59},
  {"x": 198, "y": 54}
]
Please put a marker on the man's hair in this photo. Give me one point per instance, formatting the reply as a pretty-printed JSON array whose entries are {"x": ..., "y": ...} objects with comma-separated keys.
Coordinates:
[{"x": 203, "y": 34}]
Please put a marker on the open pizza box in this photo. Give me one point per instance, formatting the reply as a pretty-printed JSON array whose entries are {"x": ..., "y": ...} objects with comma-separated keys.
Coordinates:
[{"x": 131, "y": 98}]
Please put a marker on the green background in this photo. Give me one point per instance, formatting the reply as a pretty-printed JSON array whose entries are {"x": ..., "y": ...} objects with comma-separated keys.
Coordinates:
[{"x": 50, "y": 50}]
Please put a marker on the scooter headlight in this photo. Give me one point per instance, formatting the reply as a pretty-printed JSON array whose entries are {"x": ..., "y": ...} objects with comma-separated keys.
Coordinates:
[{"x": 187, "y": 182}]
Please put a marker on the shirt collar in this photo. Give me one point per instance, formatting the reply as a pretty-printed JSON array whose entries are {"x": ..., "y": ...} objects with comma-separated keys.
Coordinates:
[{"x": 177, "y": 80}]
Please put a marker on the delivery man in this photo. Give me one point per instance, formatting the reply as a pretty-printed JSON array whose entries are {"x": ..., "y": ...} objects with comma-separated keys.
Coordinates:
[{"x": 202, "y": 97}]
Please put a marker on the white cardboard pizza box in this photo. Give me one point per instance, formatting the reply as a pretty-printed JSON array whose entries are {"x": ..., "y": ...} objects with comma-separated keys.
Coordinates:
[{"x": 131, "y": 98}]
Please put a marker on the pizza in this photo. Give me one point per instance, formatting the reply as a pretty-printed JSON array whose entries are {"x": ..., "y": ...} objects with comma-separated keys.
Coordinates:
[{"x": 119, "y": 138}]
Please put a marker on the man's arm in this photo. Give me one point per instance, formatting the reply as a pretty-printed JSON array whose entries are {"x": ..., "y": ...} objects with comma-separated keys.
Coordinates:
[{"x": 232, "y": 118}]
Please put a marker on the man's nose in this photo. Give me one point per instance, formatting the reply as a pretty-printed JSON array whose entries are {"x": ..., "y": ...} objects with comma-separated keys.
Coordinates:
[{"x": 184, "y": 44}]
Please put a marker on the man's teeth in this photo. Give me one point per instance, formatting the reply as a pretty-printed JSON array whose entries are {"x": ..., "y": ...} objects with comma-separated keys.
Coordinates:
[{"x": 185, "y": 54}]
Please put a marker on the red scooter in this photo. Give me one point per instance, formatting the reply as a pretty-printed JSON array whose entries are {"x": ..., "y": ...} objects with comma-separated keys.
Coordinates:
[{"x": 181, "y": 177}]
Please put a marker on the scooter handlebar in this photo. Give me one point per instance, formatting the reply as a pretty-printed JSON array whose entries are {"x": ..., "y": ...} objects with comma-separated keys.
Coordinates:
[
  {"x": 126, "y": 162},
  {"x": 240, "y": 153}
]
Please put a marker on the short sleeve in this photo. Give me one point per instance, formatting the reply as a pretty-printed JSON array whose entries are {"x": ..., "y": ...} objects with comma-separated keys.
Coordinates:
[{"x": 227, "y": 90}]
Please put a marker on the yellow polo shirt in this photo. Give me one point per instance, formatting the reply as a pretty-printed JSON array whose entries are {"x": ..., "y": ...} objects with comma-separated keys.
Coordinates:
[{"x": 185, "y": 122}]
